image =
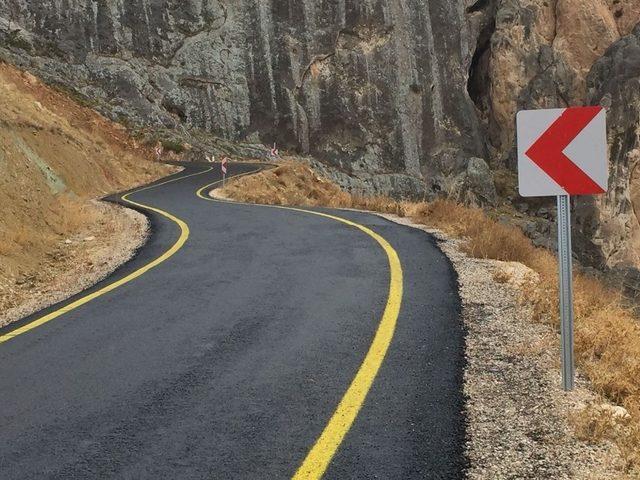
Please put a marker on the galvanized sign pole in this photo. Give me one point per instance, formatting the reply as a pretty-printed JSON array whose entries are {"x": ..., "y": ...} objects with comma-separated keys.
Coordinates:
[
  {"x": 223, "y": 167},
  {"x": 565, "y": 261}
]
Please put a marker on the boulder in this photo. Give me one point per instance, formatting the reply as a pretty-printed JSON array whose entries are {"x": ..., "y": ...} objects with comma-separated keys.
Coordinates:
[{"x": 478, "y": 188}]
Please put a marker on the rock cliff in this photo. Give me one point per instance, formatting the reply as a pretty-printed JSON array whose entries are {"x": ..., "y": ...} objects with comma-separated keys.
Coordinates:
[
  {"x": 410, "y": 97},
  {"x": 375, "y": 87},
  {"x": 610, "y": 222},
  {"x": 539, "y": 56},
  {"x": 549, "y": 54}
]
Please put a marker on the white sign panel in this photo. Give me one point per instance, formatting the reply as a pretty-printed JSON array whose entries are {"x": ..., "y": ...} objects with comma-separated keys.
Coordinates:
[{"x": 562, "y": 152}]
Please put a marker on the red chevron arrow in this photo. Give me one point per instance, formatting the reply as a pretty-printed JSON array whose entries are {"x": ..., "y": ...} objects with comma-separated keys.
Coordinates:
[{"x": 548, "y": 151}]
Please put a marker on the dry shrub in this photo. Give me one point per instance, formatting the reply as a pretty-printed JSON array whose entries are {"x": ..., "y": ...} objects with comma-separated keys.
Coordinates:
[
  {"x": 288, "y": 184},
  {"x": 448, "y": 216},
  {"x": 501, "y": 276},
  {"x": 487, "y": 238},
  {"x": 607, "y": 333},
  {"x": 596, "y": 423},
  {"x": 377, "y": 203},
  {"x": 500, "y": 242},
  {"x": 607, "y": 345}
]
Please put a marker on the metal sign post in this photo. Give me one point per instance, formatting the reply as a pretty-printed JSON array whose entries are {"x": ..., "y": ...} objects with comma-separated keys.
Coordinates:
[
  {"x": 565, "y": 260},
  {"x": 223, "y": 167}
]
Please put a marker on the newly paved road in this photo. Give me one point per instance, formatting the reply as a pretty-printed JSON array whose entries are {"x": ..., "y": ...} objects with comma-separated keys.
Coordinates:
[{"x": 227, "y": 360}]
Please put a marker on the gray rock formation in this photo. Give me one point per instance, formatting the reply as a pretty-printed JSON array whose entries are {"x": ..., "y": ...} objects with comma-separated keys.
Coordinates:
[
  {"x": 608, "y": 225},
  {"x": 392, "y": 96},
  {"x": 478, "y": 187},
  {"x": 373, "y": 88}
]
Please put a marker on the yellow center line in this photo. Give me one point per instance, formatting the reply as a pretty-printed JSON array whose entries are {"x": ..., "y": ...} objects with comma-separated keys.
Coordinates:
[
  {"x": 184, "y": 235},
  {"x": 319, "y": 457}
]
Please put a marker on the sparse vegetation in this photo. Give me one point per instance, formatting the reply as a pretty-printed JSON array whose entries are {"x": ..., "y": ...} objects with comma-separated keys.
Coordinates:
[
  {"x": 75, "y": 95},
  {"x": 296, "y": 184},
  {"x": 501, "y": 276},
  {"x": 607, "y": 333},
  {"x": 173, "y": 146}
]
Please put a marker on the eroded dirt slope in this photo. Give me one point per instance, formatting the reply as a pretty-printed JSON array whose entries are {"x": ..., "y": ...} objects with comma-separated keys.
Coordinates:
[{"x": 55, "y": 158}]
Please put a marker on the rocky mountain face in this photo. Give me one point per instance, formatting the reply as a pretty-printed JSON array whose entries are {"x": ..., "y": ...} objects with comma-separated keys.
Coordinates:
[
  {"x": 610, "y": 223},
  {"x": 549, "y": 54},
  {"x": 411, "y": 97},
  {"x": 539, "y": 56},
  {"x": 372, "y": 87}
]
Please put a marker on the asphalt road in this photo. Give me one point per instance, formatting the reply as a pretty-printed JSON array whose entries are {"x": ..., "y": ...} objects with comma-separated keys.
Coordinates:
[{"x": 227, "y": 360}]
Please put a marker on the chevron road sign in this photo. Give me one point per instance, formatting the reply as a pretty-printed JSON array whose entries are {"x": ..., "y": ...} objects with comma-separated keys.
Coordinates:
[
  {"x": 563, "y": 152},
  {"x": 223, "y": 167}
]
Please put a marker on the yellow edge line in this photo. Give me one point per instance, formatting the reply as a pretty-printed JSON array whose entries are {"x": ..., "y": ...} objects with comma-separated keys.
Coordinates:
[
  {"x": 319, "y": 457},
  {"x": 184, "y": 235}
]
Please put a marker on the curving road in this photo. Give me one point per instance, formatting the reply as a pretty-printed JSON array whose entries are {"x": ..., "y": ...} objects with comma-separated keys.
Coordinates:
[{"x": 223, "y": 350}]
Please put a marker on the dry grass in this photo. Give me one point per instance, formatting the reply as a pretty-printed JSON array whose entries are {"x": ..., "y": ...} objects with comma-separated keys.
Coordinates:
[
  {"x": 55, "y": 156},
  {"x": 607, "y": 333},
  {"x": 296, "y": 184},
  {"x": 287, "y": 185},
  {"x": 486, "y": 237}
]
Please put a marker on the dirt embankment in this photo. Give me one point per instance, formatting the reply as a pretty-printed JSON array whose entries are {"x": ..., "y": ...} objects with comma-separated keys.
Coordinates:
[{"x": 55, "y": 158}]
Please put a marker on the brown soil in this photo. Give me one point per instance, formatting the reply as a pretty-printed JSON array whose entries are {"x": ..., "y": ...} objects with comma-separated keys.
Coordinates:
[
  {"x": 55, "y": 157},
  {"x": 78, "y": 262}
]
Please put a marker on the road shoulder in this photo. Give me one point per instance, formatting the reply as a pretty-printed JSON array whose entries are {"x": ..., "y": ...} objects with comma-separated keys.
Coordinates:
[
  {"x": 80, "y": 261},
  {"x": 516, "y": 411}
]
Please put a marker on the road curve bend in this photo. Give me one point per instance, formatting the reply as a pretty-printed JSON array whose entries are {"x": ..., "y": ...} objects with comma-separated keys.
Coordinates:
[{"x": 244, "y": 342}]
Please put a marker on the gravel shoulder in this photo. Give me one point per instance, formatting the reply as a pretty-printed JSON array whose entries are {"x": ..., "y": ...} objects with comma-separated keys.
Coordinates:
[
  {"x": 517, "y": 413},
  {"x": 78, "y": 262}
]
